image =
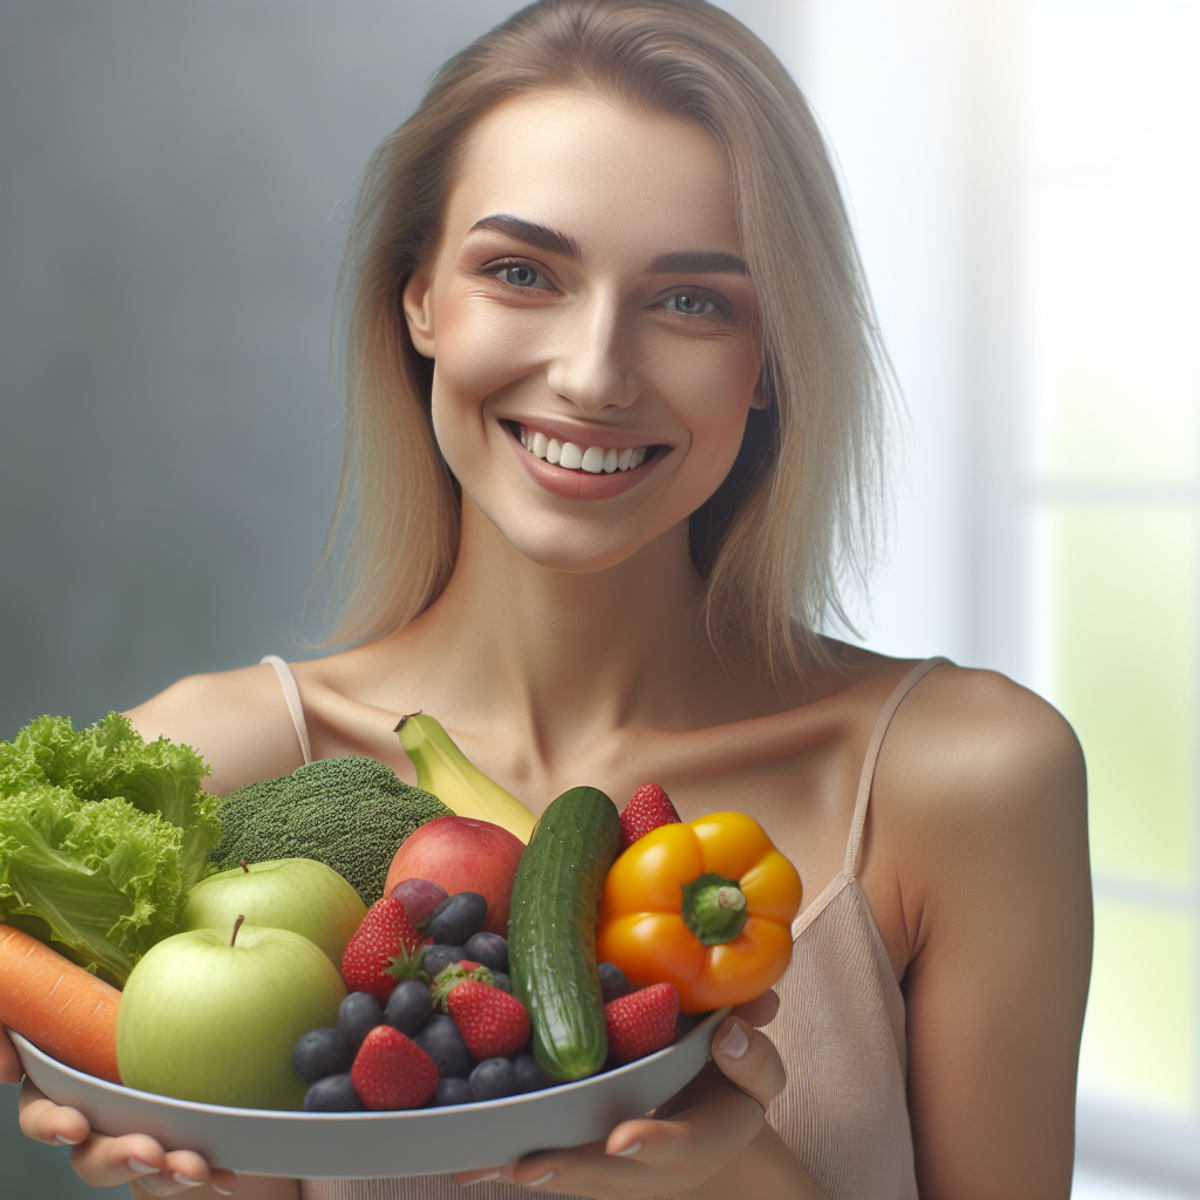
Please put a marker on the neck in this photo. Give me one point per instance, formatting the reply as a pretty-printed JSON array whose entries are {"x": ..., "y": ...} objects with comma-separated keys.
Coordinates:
[{"x": 568, "y": 657}]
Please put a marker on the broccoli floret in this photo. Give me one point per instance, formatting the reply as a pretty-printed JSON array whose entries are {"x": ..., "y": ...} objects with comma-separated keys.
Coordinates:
[{"x": 349, "y": 813}]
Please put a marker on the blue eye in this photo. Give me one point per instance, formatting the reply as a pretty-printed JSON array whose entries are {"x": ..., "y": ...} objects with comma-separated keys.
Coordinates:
[
  {"x": 519, "y": 275},
  {"x": 689, "y": 305}
]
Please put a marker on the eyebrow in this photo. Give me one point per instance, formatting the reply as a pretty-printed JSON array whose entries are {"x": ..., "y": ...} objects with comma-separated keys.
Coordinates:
[
  {"x": 687, "y": 261},
  {"x": 532, "y": 233}
]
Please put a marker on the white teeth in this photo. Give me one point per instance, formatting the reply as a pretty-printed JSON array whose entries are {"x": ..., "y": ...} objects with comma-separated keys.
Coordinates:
[{"x": 593, "y": 459}]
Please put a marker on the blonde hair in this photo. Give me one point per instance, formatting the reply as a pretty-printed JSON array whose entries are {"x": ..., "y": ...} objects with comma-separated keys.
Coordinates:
[{"x": 796, "y": 518}]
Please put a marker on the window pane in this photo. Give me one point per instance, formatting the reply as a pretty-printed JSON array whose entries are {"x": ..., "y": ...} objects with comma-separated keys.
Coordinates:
[
  {"x": 1138, "y": 1038},
  {"x": 1113, "y": 315},
  {"x": 1121, "y": 594}
]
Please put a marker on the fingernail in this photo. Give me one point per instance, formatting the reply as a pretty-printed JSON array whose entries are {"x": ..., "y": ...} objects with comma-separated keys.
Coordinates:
[
  {"x": 549, "y": 1175},
  {"x": 633, "y": 1148},
  {"x": 184, "y": 1181},
  {"x": 735, "y": 1043},
  {"x": 66, "y": 1141},
  {"x": 139, "y": 1167},
  {"x": 221, "y": 1190},
  {"x": 482, "y": 1179}
]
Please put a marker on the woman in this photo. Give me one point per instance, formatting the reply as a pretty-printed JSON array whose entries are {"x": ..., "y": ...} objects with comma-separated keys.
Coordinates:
[{"x": 612, "y": 442}]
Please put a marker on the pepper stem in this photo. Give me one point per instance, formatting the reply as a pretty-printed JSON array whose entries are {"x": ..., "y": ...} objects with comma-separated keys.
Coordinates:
[{"x": 714, "y": 909}]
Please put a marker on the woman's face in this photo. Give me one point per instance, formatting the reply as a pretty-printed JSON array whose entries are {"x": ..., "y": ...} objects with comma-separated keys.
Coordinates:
[{"x": 591, "y": 323}]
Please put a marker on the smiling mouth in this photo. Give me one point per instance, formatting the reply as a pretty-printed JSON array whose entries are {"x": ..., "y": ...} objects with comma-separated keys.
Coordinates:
[{"x": 595, "y": 460}]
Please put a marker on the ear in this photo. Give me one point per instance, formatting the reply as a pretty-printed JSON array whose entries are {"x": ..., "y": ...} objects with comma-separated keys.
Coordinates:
[
  {"x": 762, "y": 391},
  {"x": 418, "y": 310}
]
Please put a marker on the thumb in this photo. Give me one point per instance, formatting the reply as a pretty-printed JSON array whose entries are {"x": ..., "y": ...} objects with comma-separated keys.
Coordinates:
[{"x": 749, "y": 1059}]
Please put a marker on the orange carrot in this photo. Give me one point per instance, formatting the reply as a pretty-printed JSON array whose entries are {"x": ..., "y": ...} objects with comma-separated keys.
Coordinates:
[{"x": 61, "y": 1008}]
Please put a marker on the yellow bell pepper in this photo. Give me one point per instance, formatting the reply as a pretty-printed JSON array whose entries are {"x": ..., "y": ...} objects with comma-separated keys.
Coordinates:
[{"x": 707, "y": 905}]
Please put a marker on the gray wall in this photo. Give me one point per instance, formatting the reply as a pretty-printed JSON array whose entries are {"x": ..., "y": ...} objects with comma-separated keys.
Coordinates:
[{"x": 175, "y": 186}]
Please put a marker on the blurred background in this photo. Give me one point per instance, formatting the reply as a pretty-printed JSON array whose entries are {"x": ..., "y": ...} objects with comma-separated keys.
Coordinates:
[{"x": 1024, "y": 178}]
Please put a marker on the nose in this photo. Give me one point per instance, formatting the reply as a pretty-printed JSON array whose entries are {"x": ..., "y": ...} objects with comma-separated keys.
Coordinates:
[{"x": 591, "y": 365}]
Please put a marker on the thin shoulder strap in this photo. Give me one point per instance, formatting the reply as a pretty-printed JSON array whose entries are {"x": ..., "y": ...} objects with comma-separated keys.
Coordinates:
[
  {"x": 850, "y": 867},
  {"x": 291, "y": 693}
]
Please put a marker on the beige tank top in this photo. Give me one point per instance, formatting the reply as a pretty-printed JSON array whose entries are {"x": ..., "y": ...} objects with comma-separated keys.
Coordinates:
[{"x": 840, "y": 1032}]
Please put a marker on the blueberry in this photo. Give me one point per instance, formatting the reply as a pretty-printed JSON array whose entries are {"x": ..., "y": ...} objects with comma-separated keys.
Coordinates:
[
  {"x": 358, "y": 1014},
  {"x": 456, "y": 918},
  {"x": 613, "y": 981},
  {"x": 490, "y": 949},
  {"x": 438, "y": 958},
  {"x": 529, "y": 1075},
  {"x": 686, "y": 1022},
  {"x": 502, "y": 981},
  {"x": 493, "y": 1079},
  {"x": 334, "y": 1093},
  {"x": 440, "y": 1039},
  {"x": 409, "y": 1006},
  {"x": 452, "y": 1091},
  {"x": 322, "y": 1052}
]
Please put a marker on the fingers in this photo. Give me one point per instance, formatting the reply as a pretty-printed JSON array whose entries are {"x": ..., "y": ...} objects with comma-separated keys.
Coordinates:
[
  {"x": 759, "y": 1011},
  {"x": 44, "y": 1121},
  {"x": 749, "y": 1059},
  {"x": 107, "y": 1162},
  {"x": 10, "y": 1064}
]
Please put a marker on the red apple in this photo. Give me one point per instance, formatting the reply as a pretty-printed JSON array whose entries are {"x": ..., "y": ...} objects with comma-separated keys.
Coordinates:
[{"x": 463, "y": 855}]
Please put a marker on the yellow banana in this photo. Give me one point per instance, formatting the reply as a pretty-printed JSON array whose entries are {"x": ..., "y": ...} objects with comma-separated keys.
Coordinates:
[{"x": 447, "y": 773}]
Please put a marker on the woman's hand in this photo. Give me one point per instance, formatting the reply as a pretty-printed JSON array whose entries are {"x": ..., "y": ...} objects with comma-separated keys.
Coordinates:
[
  {"x": 104, "y": 1161},
  {"x": 708, "y": 1126}
]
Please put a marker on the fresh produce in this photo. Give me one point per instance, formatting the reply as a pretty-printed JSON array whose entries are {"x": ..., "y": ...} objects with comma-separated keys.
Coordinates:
[
  {"x": 706, "y": 905},
  {"x": 419, "y": 897},
  {"x": 101, "y": 836},
  {"x": 320, "y": 1053},
  {"x": 61, "y": 1008},
  {"x": 409, "y": 1006},
  {"x": 299, "y": 894},
  {"x": 612, "y": 981},
  {"x": 552, "y": 931},
  {"x": 392, "y": 1071},
  {"x": 493, "y": 1079},
  {"x": 647, "y": 809},
  {"x": 492, "y": 1023},
  {"x": 457, "y": 918},
  {"x": 334, "y": 1093},
  {"x": 357, "y": 1015},
  {"x": 214, "y": 1015},
  {"x": 462, "y": 854},
  {"x": 641, "y": 1022},
  {"x": 349, "y": 813},
  {"x": 441, "y": 1040},
  {"x": 445, "y": 771},
  {"x": 385, "y": 939}
]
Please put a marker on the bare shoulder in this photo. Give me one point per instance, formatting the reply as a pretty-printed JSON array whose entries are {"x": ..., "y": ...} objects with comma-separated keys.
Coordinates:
[
  {"x": 972, "y": 750},
  {"x": 238, "y": 720}
]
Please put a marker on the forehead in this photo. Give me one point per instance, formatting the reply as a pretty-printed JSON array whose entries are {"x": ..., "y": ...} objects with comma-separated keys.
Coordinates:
[{"x": 596, "y": 169}]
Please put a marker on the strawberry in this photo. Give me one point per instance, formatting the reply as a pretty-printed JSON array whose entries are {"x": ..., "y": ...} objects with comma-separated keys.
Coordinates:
[
  {"x": 392, "y": 1071},
  {"x": 384, "y": 938},
  {"x": 642, "y": 1022},
  {"x": 648, "y": 808},
  {"x": 492, "y": 1023}
]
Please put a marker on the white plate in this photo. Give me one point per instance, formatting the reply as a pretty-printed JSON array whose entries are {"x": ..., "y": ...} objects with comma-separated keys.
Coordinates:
[{"x": 424, "y": 1141}]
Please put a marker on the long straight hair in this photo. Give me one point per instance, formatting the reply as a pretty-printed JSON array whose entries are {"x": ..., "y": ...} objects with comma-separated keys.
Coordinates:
[{"x": 797, "y": 517}]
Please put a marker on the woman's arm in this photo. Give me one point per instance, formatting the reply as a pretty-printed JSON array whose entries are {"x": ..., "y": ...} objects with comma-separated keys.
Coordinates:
[{"x": 980, "y": 808}]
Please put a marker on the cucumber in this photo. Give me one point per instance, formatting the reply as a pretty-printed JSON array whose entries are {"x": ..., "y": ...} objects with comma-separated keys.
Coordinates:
[{"x": 552, "y": 931}]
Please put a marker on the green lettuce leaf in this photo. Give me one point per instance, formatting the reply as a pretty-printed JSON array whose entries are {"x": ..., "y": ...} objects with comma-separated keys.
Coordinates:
[{"x": 101, "y": 837}]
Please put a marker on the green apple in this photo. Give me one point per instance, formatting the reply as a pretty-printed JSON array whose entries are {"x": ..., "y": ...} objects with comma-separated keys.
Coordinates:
[
  {"x": 299, "y": 894},
  {"x": 212, "y": 1017}
]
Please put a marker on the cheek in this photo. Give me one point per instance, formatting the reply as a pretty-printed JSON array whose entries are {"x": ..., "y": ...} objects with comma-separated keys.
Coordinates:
[{"x": 479, "y": 350}]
